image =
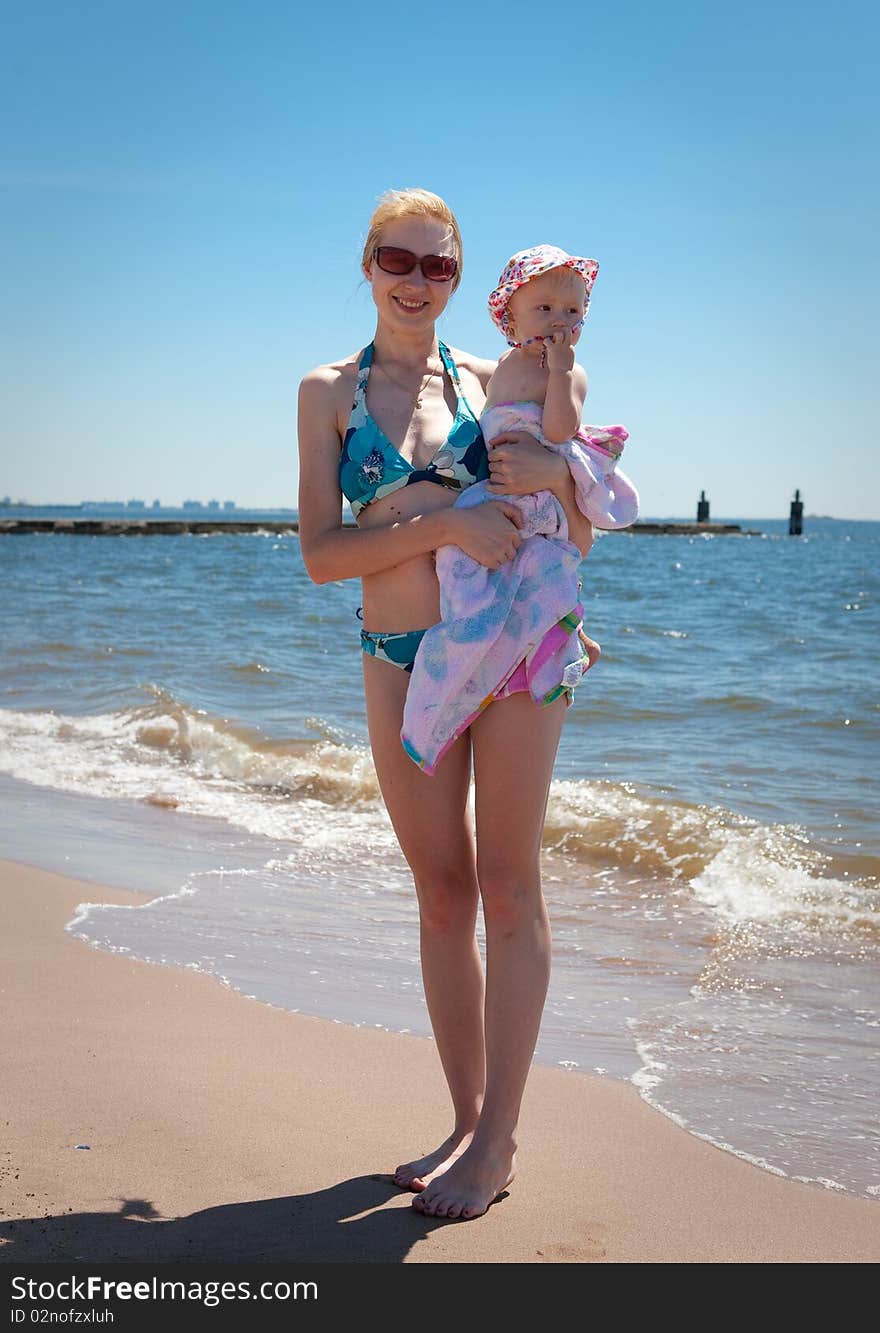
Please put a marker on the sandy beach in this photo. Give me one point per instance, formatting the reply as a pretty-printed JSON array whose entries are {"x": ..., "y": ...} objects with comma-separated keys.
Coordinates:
[{"x": 221, "y": 1129}]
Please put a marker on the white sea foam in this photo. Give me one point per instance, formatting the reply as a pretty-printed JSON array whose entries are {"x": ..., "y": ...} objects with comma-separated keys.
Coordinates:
[
  {"x": 758, "y": 1076},
  {"x": 770, "y": 876},
  {"x": 321, "y": 794}
]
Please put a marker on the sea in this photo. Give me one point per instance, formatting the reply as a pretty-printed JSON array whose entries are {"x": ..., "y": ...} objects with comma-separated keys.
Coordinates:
[{"x": 183, "y": 715}]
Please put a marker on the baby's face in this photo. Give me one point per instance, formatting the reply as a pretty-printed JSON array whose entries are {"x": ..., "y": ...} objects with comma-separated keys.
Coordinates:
[{"x": 552, "y": 303}]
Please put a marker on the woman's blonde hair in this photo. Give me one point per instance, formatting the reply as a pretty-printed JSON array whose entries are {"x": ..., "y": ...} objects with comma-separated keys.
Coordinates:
[{"x": 411, "y": 203}]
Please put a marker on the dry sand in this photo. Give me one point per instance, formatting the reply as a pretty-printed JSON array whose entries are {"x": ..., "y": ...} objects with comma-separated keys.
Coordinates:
[{"x": 221, "y": 1129}]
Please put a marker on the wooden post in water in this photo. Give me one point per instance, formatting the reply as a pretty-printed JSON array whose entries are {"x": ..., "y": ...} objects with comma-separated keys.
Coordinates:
[
  {"x": 702, "y": 508},
  {"x": 796, "y": 516}
]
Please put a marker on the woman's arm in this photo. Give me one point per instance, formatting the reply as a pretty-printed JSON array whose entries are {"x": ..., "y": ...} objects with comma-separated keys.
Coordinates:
[
  {"x": 331, "y": 552},
  {"x": 520, "y": 465}
]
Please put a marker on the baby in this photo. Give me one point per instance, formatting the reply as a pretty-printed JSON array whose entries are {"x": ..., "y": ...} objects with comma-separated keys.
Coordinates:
[
  {"x": 519, "y": 626},
  {"x": 540, "y": 305}
]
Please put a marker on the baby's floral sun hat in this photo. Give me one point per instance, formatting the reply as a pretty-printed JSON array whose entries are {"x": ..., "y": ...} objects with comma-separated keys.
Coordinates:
[{"x": 531, "y": 263}]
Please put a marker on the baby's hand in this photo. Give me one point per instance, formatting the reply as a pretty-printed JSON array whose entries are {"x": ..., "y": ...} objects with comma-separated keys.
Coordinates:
[{"x": 558, "y": 351}]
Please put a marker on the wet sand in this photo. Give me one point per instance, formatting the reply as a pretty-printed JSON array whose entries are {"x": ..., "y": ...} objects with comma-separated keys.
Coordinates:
[{"x": 220, "y": 1129}]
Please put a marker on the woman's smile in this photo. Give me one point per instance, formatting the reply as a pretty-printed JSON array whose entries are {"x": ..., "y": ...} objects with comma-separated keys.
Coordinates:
[{"x": 409, "y": 303}]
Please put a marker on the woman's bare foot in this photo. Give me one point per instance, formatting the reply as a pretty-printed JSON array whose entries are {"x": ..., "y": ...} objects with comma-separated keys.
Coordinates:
[
  {"x": 469, "y": 1185},
  {"x": 416, "y": 1175}
]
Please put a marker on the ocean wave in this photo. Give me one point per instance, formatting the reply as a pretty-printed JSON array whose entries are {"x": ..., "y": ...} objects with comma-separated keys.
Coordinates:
[
  {"x": 172, "y": 756},
  {"x": 321, "y": 794},
  {"x": 738, "y": 869}
]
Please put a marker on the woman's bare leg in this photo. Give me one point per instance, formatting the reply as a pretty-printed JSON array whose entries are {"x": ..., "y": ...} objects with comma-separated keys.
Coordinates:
[
  {"x": 514, "y": 746},
  {"x": 431, "y": 820}
]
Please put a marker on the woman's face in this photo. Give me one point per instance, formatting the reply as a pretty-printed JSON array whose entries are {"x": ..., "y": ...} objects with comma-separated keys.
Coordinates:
[{"x": 411, "y": 301}]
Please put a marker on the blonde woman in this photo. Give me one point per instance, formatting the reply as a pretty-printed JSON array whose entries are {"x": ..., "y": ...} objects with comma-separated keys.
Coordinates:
[{"x": 402, "y": 454}]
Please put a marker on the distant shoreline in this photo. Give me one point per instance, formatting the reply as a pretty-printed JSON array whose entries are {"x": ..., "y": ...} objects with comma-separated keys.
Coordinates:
[{"x": 145, "y": 527}]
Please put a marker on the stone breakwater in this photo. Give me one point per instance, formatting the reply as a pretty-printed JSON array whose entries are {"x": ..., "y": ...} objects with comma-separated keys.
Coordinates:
[{"x": 139, "y": 527}]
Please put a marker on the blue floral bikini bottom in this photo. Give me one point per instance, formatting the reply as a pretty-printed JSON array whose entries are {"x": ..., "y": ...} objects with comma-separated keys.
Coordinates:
[{"x": 398, "y": 649}]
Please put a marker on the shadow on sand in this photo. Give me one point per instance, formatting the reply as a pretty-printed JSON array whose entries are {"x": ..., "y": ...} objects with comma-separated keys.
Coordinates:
[{"x": 346, "y": 1223}]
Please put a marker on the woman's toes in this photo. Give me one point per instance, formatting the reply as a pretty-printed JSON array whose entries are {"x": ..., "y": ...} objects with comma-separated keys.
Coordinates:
[{"x": 403, "y": 1177}]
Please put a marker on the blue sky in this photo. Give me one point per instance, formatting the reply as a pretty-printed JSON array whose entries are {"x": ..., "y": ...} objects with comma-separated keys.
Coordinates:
[{"x": 184, "y": 189}]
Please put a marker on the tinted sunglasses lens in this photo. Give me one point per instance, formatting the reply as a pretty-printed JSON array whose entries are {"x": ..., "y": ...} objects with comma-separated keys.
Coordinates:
[
  {"x": 439, "y": 268},
  {"x": 392, "y": 260}
]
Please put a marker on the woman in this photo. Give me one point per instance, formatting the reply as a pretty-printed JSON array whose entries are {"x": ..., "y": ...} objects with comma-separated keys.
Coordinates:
[{"x": 402, "y": 455}]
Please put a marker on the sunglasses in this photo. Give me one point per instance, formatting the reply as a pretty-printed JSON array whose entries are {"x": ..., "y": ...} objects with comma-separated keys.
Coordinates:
[{"x": 436, "y": 268}]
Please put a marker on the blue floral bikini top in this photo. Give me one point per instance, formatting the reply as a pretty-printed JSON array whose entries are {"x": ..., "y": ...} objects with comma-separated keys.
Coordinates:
[{"x": 370, "y": 467}]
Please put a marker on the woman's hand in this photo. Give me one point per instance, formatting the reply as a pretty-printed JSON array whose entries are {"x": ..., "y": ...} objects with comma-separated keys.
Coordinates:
[
  {"x": 488, "y": 533},
  {"x": 519, "y": 465}
]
